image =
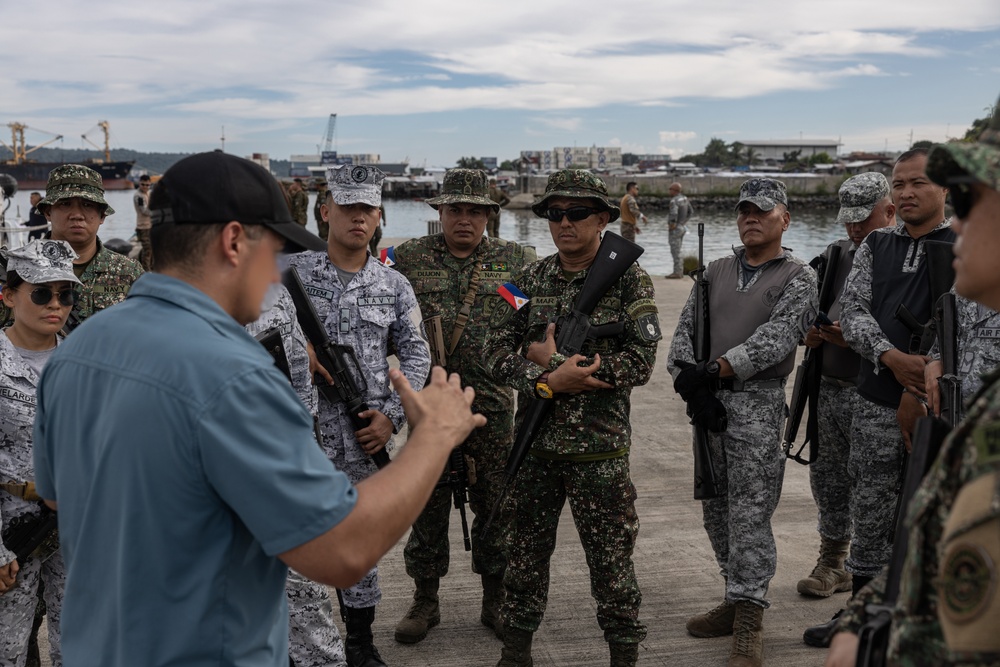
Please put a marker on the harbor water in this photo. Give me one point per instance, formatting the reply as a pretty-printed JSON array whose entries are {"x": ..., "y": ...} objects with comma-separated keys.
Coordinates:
[{"x": 809, "y": 233}]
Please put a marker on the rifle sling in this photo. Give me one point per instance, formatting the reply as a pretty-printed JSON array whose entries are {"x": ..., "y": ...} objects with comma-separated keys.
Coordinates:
[
  {"x": 25, "y": 490},
  {"x": 463, "y": 315}
]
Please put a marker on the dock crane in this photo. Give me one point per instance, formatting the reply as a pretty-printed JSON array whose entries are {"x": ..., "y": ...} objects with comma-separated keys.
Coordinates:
[
  {"x": 18, "y": 148},
  {"x": 327, "y": 145},
  {"x": 106, "y": 128}
]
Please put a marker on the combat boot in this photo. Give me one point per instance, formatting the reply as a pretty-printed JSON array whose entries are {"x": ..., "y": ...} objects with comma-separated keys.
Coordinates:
[
  {"x": 820, "y": 635},
  {"x": 716, "y": 623},
  {"x": 423, "y": 615},
  {"x": 748, "y": 636},
  {"x": 493, "y": 597},
  {"x": 829, "y": 575},
  {"x": 516, "y": 651},
  {"x": 359, "y": 646},
  {"x": 624, "y": 655}
]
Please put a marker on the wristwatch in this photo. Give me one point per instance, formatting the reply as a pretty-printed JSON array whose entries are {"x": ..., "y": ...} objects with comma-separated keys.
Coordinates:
[{"x": 543, "y": 390}]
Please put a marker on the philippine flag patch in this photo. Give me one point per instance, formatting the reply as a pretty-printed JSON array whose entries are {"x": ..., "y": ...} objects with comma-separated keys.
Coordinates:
[
  {"x": 388, "y": 255},
  {"x": 513, "y": 296}
]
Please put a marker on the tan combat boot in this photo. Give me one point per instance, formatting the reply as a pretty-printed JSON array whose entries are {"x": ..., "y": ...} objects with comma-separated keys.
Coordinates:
[
  {"x": 715, "y": 623},
  {"x": 423, "y": 615},
  {"x": 748, "y": 636},
  {"x": 493, "y": 597},
  {"x": 624, "y": 655},
  {"x": 829, "y": 575},
  {"x": 516, "y": 650}
]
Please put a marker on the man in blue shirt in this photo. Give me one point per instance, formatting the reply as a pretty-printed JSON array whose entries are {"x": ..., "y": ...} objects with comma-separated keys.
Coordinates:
[{"x": 188, "y": 480}]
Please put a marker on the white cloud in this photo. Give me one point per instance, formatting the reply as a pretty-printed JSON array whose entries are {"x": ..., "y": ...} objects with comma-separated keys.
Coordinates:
[{"x": 670, "y": 135}]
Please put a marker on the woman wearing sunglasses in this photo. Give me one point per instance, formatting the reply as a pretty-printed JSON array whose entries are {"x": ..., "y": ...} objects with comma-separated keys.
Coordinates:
[{"x": 40, "y": 292}]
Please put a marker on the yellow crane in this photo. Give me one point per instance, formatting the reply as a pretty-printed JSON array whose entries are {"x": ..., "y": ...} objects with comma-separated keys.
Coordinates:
[
  {"x": 18, "y": 148},
  {"x": 106, "y": 128}
]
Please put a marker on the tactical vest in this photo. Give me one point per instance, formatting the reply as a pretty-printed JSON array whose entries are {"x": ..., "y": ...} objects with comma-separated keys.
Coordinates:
[
  {"x": 842, "y": 363},
  {"x": 734, "y": 315},
  {"x": 626, "y": 215},
  {"x": 899, "y": 277}
]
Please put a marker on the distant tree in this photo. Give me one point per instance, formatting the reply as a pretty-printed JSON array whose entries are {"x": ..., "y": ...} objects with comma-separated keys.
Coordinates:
[
  {"x": 820, "y": 158},
  {"x": 716, "y": 153},
  {"x": 923, "y": 143},
  {"x": 696, "y": 158},
  {"x": 978, "y": 125},
  {"x": 508, "y": 165},
  {"x": 737, "y": 153},
  {"x": 792, "y": 161},
  {"x": 470, "y": 163},
  {"x": 752, "y": 156}
]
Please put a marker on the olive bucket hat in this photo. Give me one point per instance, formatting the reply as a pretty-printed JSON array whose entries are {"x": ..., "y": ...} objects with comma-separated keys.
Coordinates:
[
  {"x": 576, "y": 184},
  {"x": 962, "y": 161},
  {"x": 465, "y": 186},
  {"x": 75, "y": 180}
]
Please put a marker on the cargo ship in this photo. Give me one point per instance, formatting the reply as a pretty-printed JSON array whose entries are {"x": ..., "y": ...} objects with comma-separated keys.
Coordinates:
[{"x": 31, "y": 175}]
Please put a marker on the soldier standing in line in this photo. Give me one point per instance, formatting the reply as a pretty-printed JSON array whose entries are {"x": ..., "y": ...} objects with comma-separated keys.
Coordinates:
[
  {"x": 143, "y": 221},
  {"x": 40, "y": 290},
  {"x": 581, "y": 452},
  {"x": 371, "y": 308},
  {"x": 456, "y": 275},
  {"x": 865, "y": 205},
  {"x": 500, "y": 198},
  {"x": 677, "y": 219},
  {"x": 760, "y": 302},
  {"x": 946, "y": 613},
  {"x": 631, "y": 215},
  {"x": 322, "y": 226},
  {"x": 300, "y": 202}
]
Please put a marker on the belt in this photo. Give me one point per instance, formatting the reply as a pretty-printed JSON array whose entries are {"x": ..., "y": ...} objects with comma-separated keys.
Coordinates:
[
  {"x": 837, "y": 382},
  {"x": 735, "y": 384},
  {"x": 25, "y": 490}
]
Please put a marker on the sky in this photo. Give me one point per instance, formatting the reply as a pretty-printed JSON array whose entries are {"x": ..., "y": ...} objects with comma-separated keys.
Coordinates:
[{"x": 430, "y": 81}]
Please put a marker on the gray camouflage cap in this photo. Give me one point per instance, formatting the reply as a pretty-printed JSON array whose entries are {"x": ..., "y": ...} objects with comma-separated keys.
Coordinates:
[
  {"x": 355, "y": 184},
  {"x": 75, "y": 180},
  {"x": 43, "y": 261},
  {"x": 948, "y": 163},
  {"x": 576, "y": 184},
  {"x": 765, "y": 193},
  {"x": 465, "y": 186},
  {"x": 859, "y": 195}
]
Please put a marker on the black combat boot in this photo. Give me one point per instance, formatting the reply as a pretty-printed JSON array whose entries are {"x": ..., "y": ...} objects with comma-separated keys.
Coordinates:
[
  {"x": 624, "y": 655},
  {"x": 493, "y": 597},
  {"x": 820, "y": 635},
  {"x": 359, "y": 646},
  {"x": 516, "y": 650}
]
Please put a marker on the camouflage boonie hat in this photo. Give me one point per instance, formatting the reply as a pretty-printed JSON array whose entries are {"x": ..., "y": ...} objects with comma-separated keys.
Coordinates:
[
  {"x": 75, "y": 180},
  {"x": 465, "y": 186},
  {"x": 766, "y": 193},
  {"x": 948, "y": 163},
  {"x": 859, "y": 195},
  {"x": 43, "y": 261},
  {"x": 576, "y": 184},
  {"x": 355, "y": 184}
]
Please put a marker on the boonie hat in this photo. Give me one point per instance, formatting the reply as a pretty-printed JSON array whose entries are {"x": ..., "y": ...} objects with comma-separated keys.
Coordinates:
[
  {"x": 75, "y": 180},
  {"x": 859, "y": 195},
  {"x": 43, "y": 261},
  {"x": 465, "y": 186},
  {"x": 355, "y": 184},
  {"x": 958, "y": 161},
  {"x": 765, "y": 193},
  {"x": 210, "y": 188},
  {"x": 576, "y": 184}
]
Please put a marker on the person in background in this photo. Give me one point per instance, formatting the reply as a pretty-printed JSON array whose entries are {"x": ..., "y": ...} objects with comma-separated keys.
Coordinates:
[
  {"x": 322, "y": 227},
  {"x": 631, "y": 215},
  {"x": 300, "y": 202},
  {"x": 36, "y": 218},
  {"x": 140, "y": 200},
  {"x": 500, "y": 198},
  {"x": 677, "y": 219}
]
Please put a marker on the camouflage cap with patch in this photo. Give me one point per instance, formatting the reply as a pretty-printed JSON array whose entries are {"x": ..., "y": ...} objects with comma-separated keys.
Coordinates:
[
  {"x": 465, "y": 186},
  {"x": 955, "y": 161},
  {"x": 765, "y": 193},
  {"x": 859, "y": 195},
  {"x": 576, "y": 184},
  {"x": 355, "y": 184},
  {"x": 43, "y": 261},
  {"x": 75, "y": 180}
]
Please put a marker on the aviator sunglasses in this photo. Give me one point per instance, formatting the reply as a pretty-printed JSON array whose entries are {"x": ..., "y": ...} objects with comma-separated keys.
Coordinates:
[
  {"x": 961, "y": 196},
  {"x": 42, "y": 296},
  {"x": 574, "y": 214}
]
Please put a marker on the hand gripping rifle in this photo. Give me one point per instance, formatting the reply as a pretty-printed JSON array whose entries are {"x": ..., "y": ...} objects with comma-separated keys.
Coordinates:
[
  {"x": 705, "y": 483},
  {"x": 614, "y": 257},
  {"x": 338, "y": 360},
  {"x": 809, "y": 374},
  {"x": 24, "y": 536}
]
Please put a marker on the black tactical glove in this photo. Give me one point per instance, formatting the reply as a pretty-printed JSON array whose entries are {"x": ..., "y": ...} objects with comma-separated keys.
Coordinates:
[
  {"x": 694, "y": 377},
  {"x": 707, "y": 411}
]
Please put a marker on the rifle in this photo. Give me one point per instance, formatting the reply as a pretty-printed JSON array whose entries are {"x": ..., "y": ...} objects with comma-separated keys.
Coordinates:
[
  {"x": 338, "y": 361},
  {"x": 809, "y": 374},
  {"x": 614, "y": 257},
  {"x": 705, "y": 483},
  {"x": 24, "y": 537}
]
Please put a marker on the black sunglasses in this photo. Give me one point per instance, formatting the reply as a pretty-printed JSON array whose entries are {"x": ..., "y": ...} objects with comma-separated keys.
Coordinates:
[
  {"x": 961, "y": 198},
  {"x": 42, "y": 296},
  {"x": 574, "y": 214}
]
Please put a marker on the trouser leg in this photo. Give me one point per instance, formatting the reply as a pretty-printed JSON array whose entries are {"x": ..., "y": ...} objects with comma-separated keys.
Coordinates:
[{"x": 313, "y": 638}]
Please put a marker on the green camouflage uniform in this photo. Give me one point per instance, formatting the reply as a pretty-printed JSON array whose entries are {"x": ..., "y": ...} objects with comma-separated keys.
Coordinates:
[
  {"x": 300, "y": 207},
  {"x": 581, "y": 452},
  {"x": 106, "y": 281},
  {"x": 441, "y": 282}
]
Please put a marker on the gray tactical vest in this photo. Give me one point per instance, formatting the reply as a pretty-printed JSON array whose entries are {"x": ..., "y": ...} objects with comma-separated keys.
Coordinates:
[
  {"x": 735, "y": 314},
  {"x": 842, "y": 363}
]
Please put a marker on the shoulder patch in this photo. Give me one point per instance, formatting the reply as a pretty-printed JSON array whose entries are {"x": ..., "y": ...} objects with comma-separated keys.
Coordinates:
[
  {"x": 771, "y": 295},
  {"x": 640, "y": 307},
  {"x": 645, "y": 280},
  {"x": 649, "y": 327},
  {"x": 987, "y": 442}
]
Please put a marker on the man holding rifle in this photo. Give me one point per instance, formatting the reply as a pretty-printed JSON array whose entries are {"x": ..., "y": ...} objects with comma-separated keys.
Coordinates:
[
  {"x": 581, "y": 451},
  {"x": 373, "y": 310},
  {"x": 946, "y": 613},
  {"x": 761, "y": 300},
  {"x": 456, "y": 275}
]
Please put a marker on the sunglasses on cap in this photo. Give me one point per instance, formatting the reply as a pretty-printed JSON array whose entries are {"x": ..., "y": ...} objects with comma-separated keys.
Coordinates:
[
  {"x": 574, "y": 214},
  {"x": 42, "y": 296}
]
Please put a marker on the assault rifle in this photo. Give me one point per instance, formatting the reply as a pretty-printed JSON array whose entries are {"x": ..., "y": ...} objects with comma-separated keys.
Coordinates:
[
  {"x": 809, "y": 374},
  {"x": 339, "y": 361},
  {"x": 25, "y": 536},
  {"x": 614, "y": 257},
  {"x": 705, "y": 483}
]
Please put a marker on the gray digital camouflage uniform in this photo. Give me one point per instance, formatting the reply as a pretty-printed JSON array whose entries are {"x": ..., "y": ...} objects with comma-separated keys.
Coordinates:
[
  {"x": 677, "y": 219},
  {"x": 978, "y": 344},
  {"x": 377, "y": 315},
  {"x": 313, "y": 638},
  {"x": 748, "y": 457},
  {"x": 581, "y": 452},
  {"x": 441, "y": 282}
]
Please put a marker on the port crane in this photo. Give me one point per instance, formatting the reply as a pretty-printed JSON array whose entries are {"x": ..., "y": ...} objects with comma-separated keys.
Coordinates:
[
  {"x": 106, "y": 128},
  {"x": 331, "y": 126},
  {"x": 18, "y": 148}
]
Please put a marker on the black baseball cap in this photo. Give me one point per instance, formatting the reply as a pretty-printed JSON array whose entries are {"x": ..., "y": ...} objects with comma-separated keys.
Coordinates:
[{"x": 209, "y": 188}]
